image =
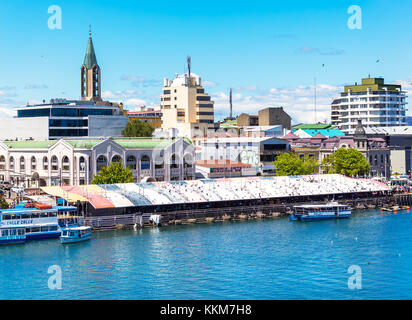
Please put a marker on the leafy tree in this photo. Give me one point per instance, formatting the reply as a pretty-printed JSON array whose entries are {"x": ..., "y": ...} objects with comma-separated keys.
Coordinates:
[
  {"x": 349, "y": 162},
  {"x": 3, "y": 203},
  {"x": 115, "y": 173},
  {"x": 136, "y": 128},
  {"x": 289, "y": 164}
]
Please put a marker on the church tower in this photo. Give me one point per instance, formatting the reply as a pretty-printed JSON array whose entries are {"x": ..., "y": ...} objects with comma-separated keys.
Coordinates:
[{"x": 90, "y": 75}]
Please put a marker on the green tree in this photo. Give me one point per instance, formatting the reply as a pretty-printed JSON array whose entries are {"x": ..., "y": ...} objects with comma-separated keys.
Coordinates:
[
  {"x": 136, "y": 128},
  {"x": 349, "y": 162},
  {"x": 115, "y": 173},
  {"x": 289, "y": 164},
  {"x": 3, "y": 203}
]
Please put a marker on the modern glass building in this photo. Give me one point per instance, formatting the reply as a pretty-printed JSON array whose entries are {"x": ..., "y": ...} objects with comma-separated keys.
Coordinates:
[
  {"x": 373, "y": 102},
  {"x": 72, "y": 118}
]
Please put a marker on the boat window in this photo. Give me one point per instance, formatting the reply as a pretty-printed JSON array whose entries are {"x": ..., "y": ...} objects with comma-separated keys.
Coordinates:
[
  {"x": 25, "y": 216},
  {"x": 13, "y": 232},
  {"x": 6, "y": 217},
  {"x": 65, "y": 233},
  {"x": 5, "y": 233},
  {"x": 34, "y": 230},
  {"x": 21, "y": 232},
  {"x": 71, "y": 234},
  {"x": 44, "y": 229},
  {"x": 52, "y": 214},
  {"x": 27, "y": 230},
  {"x": 43, "y": 214},
  {"x": 53, "y": 228}
]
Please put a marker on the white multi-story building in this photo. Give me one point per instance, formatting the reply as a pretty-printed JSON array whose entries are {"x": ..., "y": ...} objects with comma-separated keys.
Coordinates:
[
  {"x": 373, "y": 102},
  {"x": 75, "y": 162}
]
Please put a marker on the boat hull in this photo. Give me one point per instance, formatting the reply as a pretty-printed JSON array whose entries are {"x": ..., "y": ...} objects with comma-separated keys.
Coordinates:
[
  {"x": 66, "y": 240},
  {"x": 325, "y": 217},
  {"x": 39, "y": 236},
  {"x": 12, "y": 241}
]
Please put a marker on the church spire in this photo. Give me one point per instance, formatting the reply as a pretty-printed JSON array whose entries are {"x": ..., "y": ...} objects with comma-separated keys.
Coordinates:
[{"x": 90, "y": 74}]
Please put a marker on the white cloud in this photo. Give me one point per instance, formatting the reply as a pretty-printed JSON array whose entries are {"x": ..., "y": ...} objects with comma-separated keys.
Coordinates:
[
  {"x": 7, "y": 113},
  {"x": 298, "y": 102}
]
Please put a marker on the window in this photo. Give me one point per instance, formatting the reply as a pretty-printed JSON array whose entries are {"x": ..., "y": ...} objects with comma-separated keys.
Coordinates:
[
  {"x": 11, "y": 165},
  {"x": 45, "y": 163},
  {"x": 116, "y": 158},
  {"x": 54, "y": 163},
  {"x": 22, "y": 164},
  {"x": 66, "y": 163}
]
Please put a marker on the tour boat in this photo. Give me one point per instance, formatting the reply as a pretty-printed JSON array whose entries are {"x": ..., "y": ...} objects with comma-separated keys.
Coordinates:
[
  {"x": 75, "y": 234},
  {"x": 12, "y": 235},
  {"x": 331, "y": 210},
  {"x": 39, "y": 221}
]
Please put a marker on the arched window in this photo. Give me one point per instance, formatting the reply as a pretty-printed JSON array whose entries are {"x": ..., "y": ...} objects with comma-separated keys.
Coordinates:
[
  {"x": 45, "y": 163},
  {"x": 376, "y": 159},
  {"x": 2, "y": 162},
  {"x": 116, "y": 158},
  {"x": 131, "y": 162},
  {"x": 54, "y": 163},
  {"x": 145, "y": 162},
  {"x": 174, "y": 161},
  {"x": 33, "y": 163},
  {"x": 101, "y": 162},
  {"x": 82, "y": 164},
  {"x": 159, "y": 162},
  {"x": 11, "y": 165},
  {"x": 22, "y": 164},
  {"x": 188, "y": 161},
  {"x": 66, "y": 163}
]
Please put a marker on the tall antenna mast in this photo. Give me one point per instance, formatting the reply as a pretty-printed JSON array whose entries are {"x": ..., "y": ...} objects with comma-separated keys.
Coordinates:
[
  {"x": 189, "y": 62},
  {"x": 315, "y": 103},
  {"x": 230, "y": 103}
]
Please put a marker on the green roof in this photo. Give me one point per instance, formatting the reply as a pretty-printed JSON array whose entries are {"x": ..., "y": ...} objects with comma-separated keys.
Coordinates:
[
  {"x": 134, "y": 143},
  {"x": 90, "y": 57},
  {"x": 313, "y": 126},
  {"x": 29, "y": 144},
  {"x": 144, "y": 143}
]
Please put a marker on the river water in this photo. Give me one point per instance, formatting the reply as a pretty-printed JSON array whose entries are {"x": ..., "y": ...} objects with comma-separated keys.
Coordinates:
[{"x": 270, "y": 259}]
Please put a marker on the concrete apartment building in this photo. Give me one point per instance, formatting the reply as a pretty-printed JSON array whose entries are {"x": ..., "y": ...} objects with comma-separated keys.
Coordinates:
[
  {"x": 373, "y": 102},
  {"x": 266, "y": 117},
  {"x": 186, "y": 107}
]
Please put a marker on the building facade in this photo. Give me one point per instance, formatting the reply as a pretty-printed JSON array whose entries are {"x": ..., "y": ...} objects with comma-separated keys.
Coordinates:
[
  {"x": 266, "y": 117},
  {"x": 186, "y": 107},
  {"x": 373, "y": 102},
  {"x": 148, "y": 115},
  {"x": 258, "y": 152},
  {"x": 75, "y": 162}
]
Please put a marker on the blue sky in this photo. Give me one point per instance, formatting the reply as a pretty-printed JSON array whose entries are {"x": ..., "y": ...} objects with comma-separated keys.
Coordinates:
[{"x": 268, "y": 51}]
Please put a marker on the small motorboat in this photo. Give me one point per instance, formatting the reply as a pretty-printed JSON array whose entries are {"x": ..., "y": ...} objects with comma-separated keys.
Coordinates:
[{"x": 75, "y": 234}]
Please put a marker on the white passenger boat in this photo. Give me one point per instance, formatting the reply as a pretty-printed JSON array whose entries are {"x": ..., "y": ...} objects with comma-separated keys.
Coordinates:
[
  {"x": 332, "y": 210},
  {"x": 12, "y": 235},
  {"x": 39, "y": 221},
  {"x": 75, "y": 234}
]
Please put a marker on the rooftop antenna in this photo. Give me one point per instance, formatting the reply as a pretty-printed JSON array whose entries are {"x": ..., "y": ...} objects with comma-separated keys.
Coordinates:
[
  {"x": 230, "y": 103},
  {"x": 315, "y": 102},
  {"x": 189, "y": 62}
]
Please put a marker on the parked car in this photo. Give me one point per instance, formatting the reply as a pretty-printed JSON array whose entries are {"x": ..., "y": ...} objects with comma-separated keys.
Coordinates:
[
  {"x": 5, "y": 185},
  {"x": 18, "y": 190}
]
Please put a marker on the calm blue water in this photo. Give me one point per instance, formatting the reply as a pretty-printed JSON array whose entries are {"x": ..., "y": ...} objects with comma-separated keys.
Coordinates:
[{"x": 273, "y": 259}]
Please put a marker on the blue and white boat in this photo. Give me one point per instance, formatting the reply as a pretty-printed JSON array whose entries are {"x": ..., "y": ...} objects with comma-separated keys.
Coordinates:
[
  {"x": 328, "y": 211},
  {"x": 75, "y": 234},
  {"x": 12, "y": 235},
  {"x": 38, "y": 220}
]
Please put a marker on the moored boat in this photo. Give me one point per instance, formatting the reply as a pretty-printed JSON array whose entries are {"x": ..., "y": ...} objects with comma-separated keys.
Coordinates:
[
  {"x": 12, "y": 235},
  {"x": 75, "y": 234},
  {"x": 315, "y": 212}
]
